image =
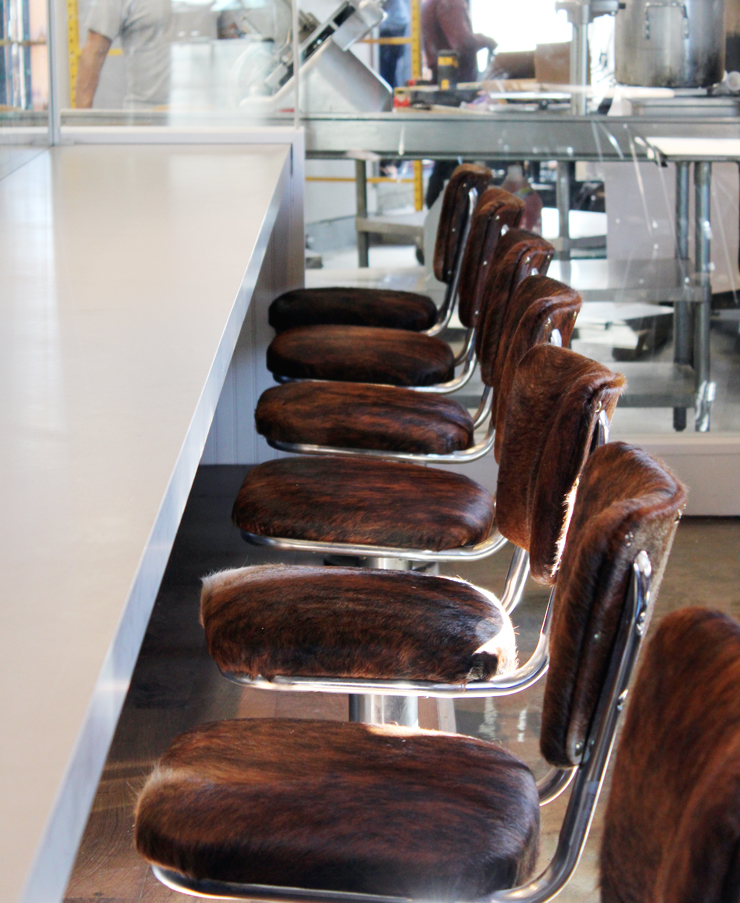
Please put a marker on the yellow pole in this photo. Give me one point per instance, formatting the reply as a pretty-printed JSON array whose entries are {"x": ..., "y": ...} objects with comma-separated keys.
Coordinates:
[
  {"x": 416, "y": 73},
  {"x": 73, "y": 47}
]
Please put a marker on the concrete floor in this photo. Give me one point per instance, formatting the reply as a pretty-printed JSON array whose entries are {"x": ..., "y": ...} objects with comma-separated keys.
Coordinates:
[{"x": 175, "y": 684}]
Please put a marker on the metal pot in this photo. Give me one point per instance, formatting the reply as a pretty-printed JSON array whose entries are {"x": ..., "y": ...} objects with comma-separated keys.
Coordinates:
[{"x": 670, "y": 43}]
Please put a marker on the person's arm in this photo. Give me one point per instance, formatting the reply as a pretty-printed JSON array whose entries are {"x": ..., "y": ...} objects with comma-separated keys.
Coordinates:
[{"x": 92, "y": 57}]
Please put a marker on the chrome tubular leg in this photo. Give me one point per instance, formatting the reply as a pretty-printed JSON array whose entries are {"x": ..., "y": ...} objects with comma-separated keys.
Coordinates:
[
  {"x": 682, "y": 325},
  {"x": 562, "y": 191},
  {"x": 368, "y": 708},
  {"x": 363, "y": 238},
  {"x": 372, "y": 708},
  {"x": 703, "y": 238},
  {"x": 516, "y": 580},
  {"x": 446, "y": 720}
]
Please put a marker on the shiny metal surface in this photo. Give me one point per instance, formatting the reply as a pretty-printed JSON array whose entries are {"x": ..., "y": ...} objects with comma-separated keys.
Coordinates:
[
  {"x": 484, "y": 408},
  {"x": 516, "y": 580},
  {"x": 589, "y": 778},
  {"x": 493, "y": 543},
  {"x": 469, "y": 362},
  {"x": 451, "y": 292},
  {"x": 670, "y": 43},
  {"x": 554, "y": 783}
]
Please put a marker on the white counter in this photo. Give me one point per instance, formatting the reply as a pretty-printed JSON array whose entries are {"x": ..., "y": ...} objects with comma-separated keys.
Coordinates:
[{"x": 126, "y": 274}]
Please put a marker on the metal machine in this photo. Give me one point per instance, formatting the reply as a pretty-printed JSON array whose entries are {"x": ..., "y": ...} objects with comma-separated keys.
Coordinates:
[{"x": 332, "y": 78}]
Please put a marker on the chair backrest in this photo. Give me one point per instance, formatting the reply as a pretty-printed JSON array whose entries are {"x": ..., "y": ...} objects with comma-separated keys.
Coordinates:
[
  {"x": 518, "y": 254},
  {"x": 454, "y": 215},
  {"x": 672, "y": 824},
  {"x": 495, "y": 210},
  {"x": 627, "y": 502},
  {"x": 554, "y": 407},
  {"x": 538, "y": 307}
]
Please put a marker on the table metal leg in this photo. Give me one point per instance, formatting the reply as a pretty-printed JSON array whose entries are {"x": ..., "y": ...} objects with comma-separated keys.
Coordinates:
[
  {"x": 703, "y": 239},
  {"x": 683, "y": 340},
  {"x": 363, "y": 238},
  {"x": 562, "y": 192}
]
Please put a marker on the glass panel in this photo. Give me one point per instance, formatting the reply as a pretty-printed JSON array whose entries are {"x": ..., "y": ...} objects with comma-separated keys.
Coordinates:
[
  {"x": 183, "y": 62},
  {"x": 24, "y": 73}
]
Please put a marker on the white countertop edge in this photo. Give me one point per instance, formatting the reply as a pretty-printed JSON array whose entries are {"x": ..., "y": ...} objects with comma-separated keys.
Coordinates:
[
  {"x": 57, "y": 849},
  {"x": 171, "y": 134}
]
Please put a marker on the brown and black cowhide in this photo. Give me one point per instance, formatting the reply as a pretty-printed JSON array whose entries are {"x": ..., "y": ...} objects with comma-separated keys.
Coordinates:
[
  {"x": 376, "y": 809},
  {"x": 361, "y": 354},
  {"x": 672, "y": 825},
  {"x": 553, "y": 411},
  {"x": 354, "y": 622},
  {"x": 517, "y": 255},
  {"x": 352, "y": 306},
  {"x": 540, "y": 305},
  {"x": 627, "y": 502},
  {"x": 354, "y": 415},
  {"x": 454, "y": 215},
  {"x": 364, "y": 501},
  {"x": 496, "y": 209}
]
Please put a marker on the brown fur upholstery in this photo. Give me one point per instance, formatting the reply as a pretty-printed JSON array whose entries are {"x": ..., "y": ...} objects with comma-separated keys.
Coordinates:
[
  {"x": 353, "y": 807},
  {"x": 496, "y": 208},
  {"x": 355, "y": 306},
  {"x": 539, "y": 306},
  {"x": 517, "y": 254},
  {"x": 672, "y": 827},
  {"x": 553, "y": 410},
  {"x": 348, "y": 415},
  {"x": 360, "y": 354},
  {"x": 353, "y": 622},
  {"x": 627, "y": 502},
  {"x": 454, "y": 215},
  {"x": 357, "y": 500}
]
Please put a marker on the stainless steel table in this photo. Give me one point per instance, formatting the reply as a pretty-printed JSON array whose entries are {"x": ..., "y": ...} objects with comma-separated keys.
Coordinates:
[{"x": 692, "y": 326}]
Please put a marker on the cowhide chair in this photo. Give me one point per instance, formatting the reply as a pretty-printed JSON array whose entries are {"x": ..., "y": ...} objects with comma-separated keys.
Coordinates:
[
  {"x": 571, "y": 400},
  {"x": 309, "y": 417},
  {"x": 348, "y": 306},
  {"x": 300, "y": 810},
  {"x": 383, "y": 509},
  {"x": 672, "y": 824},
  {"x": 403, "y": 358}
]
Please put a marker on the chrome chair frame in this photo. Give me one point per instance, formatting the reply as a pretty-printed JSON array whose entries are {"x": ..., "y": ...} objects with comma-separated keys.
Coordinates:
[
  {"x": 479, "y": 450},
  {"x": 449, "y": 301},
  {"x": 589, "y": 779},
  {"x": 492, "y": 543},
  {"x": 466, "y": 356}
]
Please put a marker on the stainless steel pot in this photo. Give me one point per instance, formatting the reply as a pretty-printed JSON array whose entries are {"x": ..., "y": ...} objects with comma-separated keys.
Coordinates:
[{"x": 670, "y": 43}]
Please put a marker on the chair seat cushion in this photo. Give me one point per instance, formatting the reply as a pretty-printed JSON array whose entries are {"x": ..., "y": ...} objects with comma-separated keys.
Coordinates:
[
  {"x": 363, "y": 501},
  {"x": 360, "y": 354},
  {"x": 354, "y": 415},
  {"x": 354, "y": 622},
  {"x": 353, "y": 307},
  {"x": 361, "y": 808}
]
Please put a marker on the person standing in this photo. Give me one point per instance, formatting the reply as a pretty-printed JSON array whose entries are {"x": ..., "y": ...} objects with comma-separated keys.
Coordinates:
[
  {"x": 446, "y": 25},
  {"x": 143, "y": 26},
  {"x": 395, "y": 59}
]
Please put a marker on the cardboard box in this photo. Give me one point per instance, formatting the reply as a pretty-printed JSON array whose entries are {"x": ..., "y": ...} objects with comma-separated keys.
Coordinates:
[{"x": 552, "y": 64}]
